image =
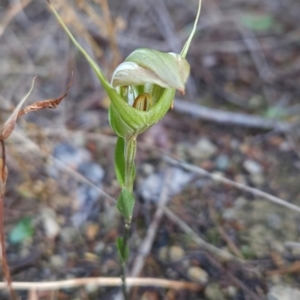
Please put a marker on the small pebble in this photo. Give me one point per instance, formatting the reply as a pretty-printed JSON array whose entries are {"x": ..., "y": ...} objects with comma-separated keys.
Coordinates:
[
  {"x": 214, "y": 292},
  {"x": 68, "y": 234},
  {"x": 229, "y": 214},
  {"x": 150, "y": 188},
  {"x": 147, "y": 169},
  {"x": 91, "y": 231},
  {"x": 252, "y": 167},
  {"x": 173, "y": 253},
  {"x": 150, "y": 295},
  {"x": 274, "y": 221},
  {"x": 197, "y": 274},
  {"x": 240, "y": 179},
  {"x": 231, "y": 291},
  {"x": 257, "y": 179},
  {"x": 285, "y": 146},
  {"x": 99, "y": 247},
  {"x": 222, "y": 162},
  {"x": 91, "y": 288},
  {"x": 50, "y": 223},
  {"x": 57, "y": 261},
  {"x": 209, "y": 60},
  {"x": 203, "y": 149},
  {"x": 240, "y": 202},
  {"x": 92, "y": 171},
  {"x": 88, "y": 256}
]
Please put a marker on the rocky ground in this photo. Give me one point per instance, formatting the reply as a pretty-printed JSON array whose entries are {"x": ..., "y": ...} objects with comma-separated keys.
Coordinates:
[{"x": 223, "y": 239}]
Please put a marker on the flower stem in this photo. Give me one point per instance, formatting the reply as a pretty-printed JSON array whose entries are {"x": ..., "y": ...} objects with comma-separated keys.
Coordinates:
[
  {"x": 123, "y": 262},
  {"x": 129, "y": 155}
]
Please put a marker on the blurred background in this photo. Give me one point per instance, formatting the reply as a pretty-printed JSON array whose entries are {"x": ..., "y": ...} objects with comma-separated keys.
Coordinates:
[{"x": 239, "y": 119}]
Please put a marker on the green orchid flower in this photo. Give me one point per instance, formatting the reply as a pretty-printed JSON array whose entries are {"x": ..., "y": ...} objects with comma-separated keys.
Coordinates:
[
  {"x": 141, "y": 91},
  {"x": 146, "y": 73}
]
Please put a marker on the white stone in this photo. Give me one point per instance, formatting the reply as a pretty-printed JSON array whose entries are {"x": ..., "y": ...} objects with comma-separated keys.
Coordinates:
[
  {"x": 57, "y": 261},
  {"x": 50, "y": 223},
  {"x": 203, "y": 149},
  {"x": 252, "y": 167},
  {"x": 229, "y": 214},
  {"x": 280, "y": 292}
]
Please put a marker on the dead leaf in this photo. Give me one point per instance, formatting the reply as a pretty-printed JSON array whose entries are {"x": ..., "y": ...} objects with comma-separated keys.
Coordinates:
[
  {"x": 9, "y": 125},
  {"x": 44, "y": 104}
]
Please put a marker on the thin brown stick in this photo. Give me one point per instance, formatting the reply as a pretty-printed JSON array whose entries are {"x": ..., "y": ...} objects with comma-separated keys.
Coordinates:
[
  {"x": 229, "y": 118},
  {"x": 5, "y": 265},
  {"x": 237, "y": 282},
  {"x": 104, "y": 282},
  {"x": 218, "y": 178},
  {"x": 221, "y": 254},
  {"x": 231, "y": 245}
]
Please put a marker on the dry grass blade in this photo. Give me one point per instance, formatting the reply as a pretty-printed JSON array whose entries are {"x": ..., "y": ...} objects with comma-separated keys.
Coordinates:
[
  {"x": 5, "y": 266},
  {"x": 9, "y": 125},
  {"x": 44, "y": 104},
  {"x": 13, "y": 11},
  {"x": 71, "y": 17}
]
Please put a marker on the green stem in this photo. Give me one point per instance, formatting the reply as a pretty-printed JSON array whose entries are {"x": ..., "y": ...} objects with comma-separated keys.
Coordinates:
[
  {"x": 123, "y": 262},
  {"x": 129, "y": 155}
]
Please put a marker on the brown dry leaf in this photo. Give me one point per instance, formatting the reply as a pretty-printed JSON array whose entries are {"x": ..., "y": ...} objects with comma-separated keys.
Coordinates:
[
  {"x": 44, "y": 104},
  {"x": 9, "y": 125}
]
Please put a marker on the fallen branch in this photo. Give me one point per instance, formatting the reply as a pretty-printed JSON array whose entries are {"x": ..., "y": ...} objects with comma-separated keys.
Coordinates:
[{"x": 229, "y": 118}]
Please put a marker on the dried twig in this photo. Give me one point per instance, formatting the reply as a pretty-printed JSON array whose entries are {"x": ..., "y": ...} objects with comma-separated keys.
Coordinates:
[
  {"x": 231, "y": 245},
  {"x": 104, "y": 282},
  {"x": 237, "y": 282},
  {"x": 255, "y": 50},
  {"x": 218, "y": 178},
  {"x": 222, "y": 254},
  {"x": 229, "y": 118}
]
